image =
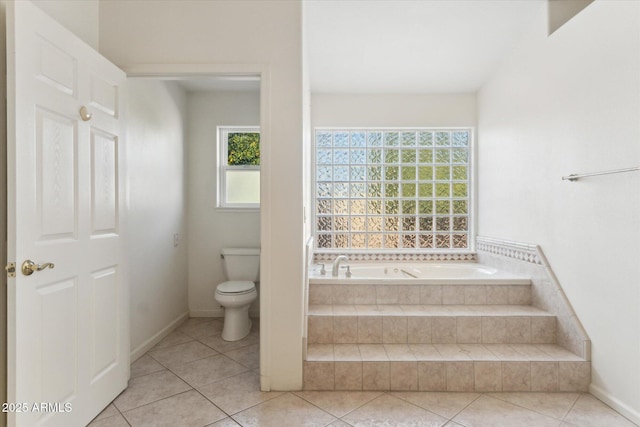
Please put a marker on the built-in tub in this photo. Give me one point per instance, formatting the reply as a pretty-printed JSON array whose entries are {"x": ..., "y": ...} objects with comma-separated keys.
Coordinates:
[{"x": 426, "y": 273}]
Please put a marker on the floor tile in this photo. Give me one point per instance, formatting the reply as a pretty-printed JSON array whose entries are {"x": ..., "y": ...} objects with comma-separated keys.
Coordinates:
[
  {"x": 149, "y": 388},
  {"x": 591, "y": 412},
  {"x": 555, "y": 405},
  {"x": 181, "y": 354},
  {"x": 227, "y": 422},
  {"x": 285, "y": 410},
  {"x": 237, "y": 393},
  {"x": 247, "y": 356},
  {"x": 205, "y": 371},
  {"x": 183, "y": 410},
  {"x": 490, "y": 412},
  {"x": 113, "y": 421},
  {"x": 201, "y": 329},
  {"x": 145, "y": 365},
  {"x": 387, "y": 410},
  {"x": 175, "y": 337},
  {"x": 443, "y": 404},
  {"x": 107, "y": 412},
  {"x": 338, "y": 403},
  {"x": 218, "y": 344}
]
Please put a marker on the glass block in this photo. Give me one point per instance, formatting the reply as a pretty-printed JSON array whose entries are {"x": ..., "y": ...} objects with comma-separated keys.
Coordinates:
[
  {"x": 460, "y": 139},
  {"x": 425, "y": 173},
  {"x": 459, "y": 155},
  {"x": 443, "y": 173},
  {"x": 460, "y": 172},
  {"x": 324, "y": 206},
  {"x": 374, "y": 156},
  {"x": 392, "y": 223},
  {"x": 425, "y": 207},
  {"x": 324, "y": 138},
  {"x": 460, "y": 241},
  {"x": 374, "y": 189},
  {"x": 442, "y": 223},
  {"x": 341, "y": 157},
  {"x": 374, "y": 139},
  {"x": 408, "y": 139},
  {"x": 443, "y": 156},
  {"x": 358, "y": 173},
  {"x": 425, "y": 190},
  {"x": 374, "y": 207},
  {"x": 324, "y": 241},
  {"x": 341, "y": 223},
  {"x": 375, "y": 223},
  {"x": 442, "y": 190},
  {"x": 425, "y": 139},
  {"x": 358, "y": 241},
  {"x": 425, "y": 156},
  {"x": 443, "y": 241},
  {"x": 341, "y": 173},
  {"x": 425, "y": 240},
  {"x": 409, "y": 223},
  {"x": 391, "y": 207},
  {"x": 391, "y": 173},
  {"x": 341, "y": 189},
  {"x": 358, "y": 207},
  {"x": 323, "y": 189},
  {"x": 341, "y": 139},
  {"x": 341, "y": 207},
  {"x": 375, "y": 241},
  {"x": 408, "y": 190},
  {"x": 408, "y": 156},
  {"x": 409, "y": 207},
  {"x": 342, "y": 241},
  {"x": 408, "y": 240},
  {"x": 358, "y": 190},
  {"x": 391, "y": 139},
  {"x": 408, "y": 173},
  {"x": 358, "y": 223},
  {"x": 358, "y": 139},
  {"x": 442, "y": 139},
  {"x": 442, "y": 207},
  {"x": 324, "y": 156},
  {"x": 459, "y": 190},
  {"x": 460, "y": 223},
  {"x": 324, "y": 223},
  {"x": 460, "y": 207},
  {"x": 375, "y": 173},
  {"x": 324, "y": 173},
  {"x": 425, "y": 223},
  {"x": 391, "y": 241},
  {"x": 358, "y": 157},
  {"x": 391, "y": 156},
  {"x": 391, "y": 190}
]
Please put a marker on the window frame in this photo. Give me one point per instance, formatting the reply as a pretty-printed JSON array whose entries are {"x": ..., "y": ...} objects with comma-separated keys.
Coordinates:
[
  {"x": 472, "y": 188},
  {"x": 223, "y": 166}
]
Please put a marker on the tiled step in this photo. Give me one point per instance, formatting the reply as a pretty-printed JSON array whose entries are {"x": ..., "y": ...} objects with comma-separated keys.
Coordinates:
[
  {"x": 426, "y": 324},
  {"x": 519, "y": 294},
  {"x": 445, "y": 367}
]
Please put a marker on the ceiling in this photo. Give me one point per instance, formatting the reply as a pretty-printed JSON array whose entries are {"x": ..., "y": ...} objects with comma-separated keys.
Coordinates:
[{"x": 415, "y": 46}]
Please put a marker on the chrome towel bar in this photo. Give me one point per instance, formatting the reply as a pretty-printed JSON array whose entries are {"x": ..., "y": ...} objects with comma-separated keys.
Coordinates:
[{"x": 575, "y": 176}]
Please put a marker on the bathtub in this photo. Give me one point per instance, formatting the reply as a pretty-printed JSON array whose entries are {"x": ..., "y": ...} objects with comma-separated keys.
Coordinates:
[{"x": 425, "y": 273}]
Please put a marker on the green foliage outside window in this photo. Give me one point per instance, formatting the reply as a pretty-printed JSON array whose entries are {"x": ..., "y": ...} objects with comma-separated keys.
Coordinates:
[{"x": 244, "y": 148}]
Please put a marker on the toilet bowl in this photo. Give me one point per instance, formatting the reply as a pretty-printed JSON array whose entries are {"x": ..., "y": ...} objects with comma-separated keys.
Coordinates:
[{"x": 236, "y": 297}]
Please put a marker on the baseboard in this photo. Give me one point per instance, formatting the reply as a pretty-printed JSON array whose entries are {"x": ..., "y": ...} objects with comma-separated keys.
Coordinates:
[
  {"x": 622, "y": 408},
  {"x": 148, "y": 344},
  {"x": 214, "y": 312}
]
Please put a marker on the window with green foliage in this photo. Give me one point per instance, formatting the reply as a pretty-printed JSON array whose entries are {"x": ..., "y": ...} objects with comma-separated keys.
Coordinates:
[
  {"x": 392, "y": 189},
  {"x": 239, "y": 167}
]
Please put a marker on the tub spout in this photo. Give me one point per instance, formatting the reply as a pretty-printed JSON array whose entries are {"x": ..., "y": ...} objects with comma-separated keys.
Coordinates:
[{"x": 336, "y": 265}]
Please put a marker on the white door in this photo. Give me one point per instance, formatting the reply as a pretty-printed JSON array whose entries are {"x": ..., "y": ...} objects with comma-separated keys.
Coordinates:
[{"x": 68, "y": 328}]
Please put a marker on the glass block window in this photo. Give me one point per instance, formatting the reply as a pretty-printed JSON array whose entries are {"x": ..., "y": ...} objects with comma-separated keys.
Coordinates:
[{"x": 404, "y": 189}]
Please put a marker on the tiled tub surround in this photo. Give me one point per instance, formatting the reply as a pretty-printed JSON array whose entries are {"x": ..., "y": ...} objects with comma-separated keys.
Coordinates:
[{"x": 434, "y": 335}]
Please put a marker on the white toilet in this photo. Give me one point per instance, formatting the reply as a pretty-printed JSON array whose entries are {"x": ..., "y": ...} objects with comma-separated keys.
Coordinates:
[{"x": 241, "y": 267}]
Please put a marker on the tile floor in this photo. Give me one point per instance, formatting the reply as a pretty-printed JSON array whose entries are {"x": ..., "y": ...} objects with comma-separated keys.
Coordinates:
[{"x": 193, "y": 378}]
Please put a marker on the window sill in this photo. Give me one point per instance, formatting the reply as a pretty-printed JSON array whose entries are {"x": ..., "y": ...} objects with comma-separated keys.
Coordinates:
[{"x": 237, "y": 210}]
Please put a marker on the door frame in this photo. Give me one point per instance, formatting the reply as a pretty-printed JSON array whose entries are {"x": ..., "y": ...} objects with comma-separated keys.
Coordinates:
[{"x": 164, "y": 71}]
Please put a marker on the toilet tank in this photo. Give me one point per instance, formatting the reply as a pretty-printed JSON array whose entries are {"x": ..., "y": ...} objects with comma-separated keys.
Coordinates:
[{"x": 241, "y": 263}]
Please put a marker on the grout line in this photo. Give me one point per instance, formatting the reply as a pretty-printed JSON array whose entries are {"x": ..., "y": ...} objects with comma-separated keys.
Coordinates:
[{"x": 572, "y": 406}]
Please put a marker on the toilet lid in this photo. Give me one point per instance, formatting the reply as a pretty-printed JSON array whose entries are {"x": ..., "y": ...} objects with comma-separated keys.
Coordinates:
[{"x": 235, "y": 286}]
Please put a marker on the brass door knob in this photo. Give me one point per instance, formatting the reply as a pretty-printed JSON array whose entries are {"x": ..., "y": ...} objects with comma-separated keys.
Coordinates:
[{"x": 29, "y": 267}]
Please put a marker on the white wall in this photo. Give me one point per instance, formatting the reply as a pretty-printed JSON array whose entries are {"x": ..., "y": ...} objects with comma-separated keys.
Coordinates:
[
  {"x": 206, "y": 32},
  {"x": 79, "y": 17},
  {"x": 565, "y": 104},
  {"x": 156, "y": 124},
  {"x": 212, "y": 229}
]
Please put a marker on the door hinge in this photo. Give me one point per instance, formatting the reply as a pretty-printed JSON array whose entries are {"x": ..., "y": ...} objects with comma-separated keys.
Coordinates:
[{"x": 11, "y": 269}]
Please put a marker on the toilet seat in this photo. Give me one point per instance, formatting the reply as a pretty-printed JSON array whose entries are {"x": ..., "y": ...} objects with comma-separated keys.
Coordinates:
[{"x": 235, "y": 287}]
